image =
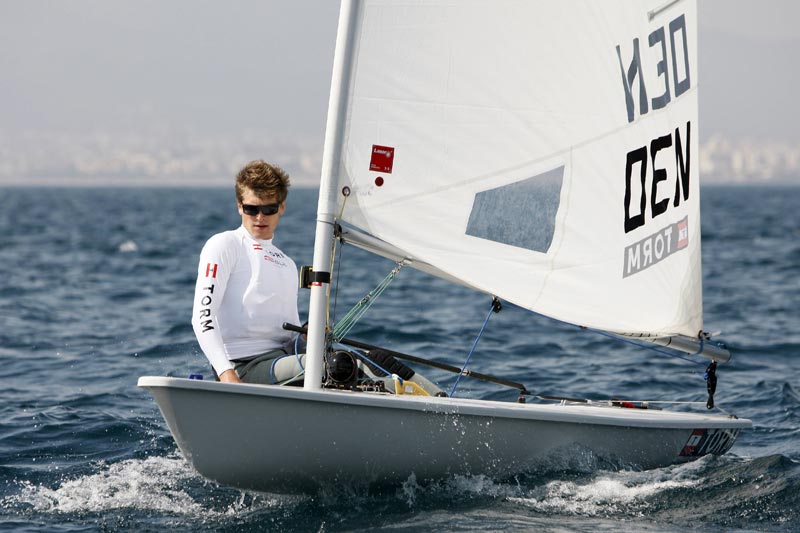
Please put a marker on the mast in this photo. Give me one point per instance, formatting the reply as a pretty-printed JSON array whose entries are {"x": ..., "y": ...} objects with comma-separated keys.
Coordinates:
[{"x": 323, "y": 240}]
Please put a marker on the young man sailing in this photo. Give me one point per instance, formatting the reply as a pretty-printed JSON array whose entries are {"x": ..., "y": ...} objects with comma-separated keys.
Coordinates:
[{"x": 246, "y": 287}]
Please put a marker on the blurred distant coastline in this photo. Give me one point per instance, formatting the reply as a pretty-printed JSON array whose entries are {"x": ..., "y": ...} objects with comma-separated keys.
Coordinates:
[
  {"x": 162, "y": 158},
  {"x": 167, "y": 158}
]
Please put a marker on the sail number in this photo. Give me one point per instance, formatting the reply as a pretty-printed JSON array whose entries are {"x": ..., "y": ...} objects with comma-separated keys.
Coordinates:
[
  {"x": 659, "y": 199},
  {"x": 673, "y": 75},
  {"x": 679, "y": 51}
]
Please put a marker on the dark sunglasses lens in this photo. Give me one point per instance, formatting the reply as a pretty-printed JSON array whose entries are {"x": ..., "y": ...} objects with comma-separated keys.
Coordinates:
[{"x": 252, "y": 210}]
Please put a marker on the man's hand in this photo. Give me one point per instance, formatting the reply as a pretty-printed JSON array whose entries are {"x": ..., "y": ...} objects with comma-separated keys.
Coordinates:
[{"x": 230, "y": 376}]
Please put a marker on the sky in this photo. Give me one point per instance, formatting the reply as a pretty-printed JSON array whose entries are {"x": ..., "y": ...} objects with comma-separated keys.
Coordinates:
[{"x": 216, "y": 68}]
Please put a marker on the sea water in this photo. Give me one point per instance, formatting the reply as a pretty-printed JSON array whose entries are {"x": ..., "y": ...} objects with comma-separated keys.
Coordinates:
[{"x": 96, "y": 290}]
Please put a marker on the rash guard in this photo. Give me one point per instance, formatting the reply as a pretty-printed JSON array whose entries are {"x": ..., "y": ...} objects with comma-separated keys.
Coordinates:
[{"x": 246, "y": 289}]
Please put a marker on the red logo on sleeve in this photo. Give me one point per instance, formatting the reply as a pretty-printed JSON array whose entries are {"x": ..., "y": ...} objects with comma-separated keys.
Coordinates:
[
  {"x": 211, "y": 270},
  {"x": 382, "y": 158}
]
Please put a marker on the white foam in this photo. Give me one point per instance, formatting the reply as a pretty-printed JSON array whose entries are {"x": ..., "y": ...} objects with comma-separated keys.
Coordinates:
[
  {"x": 151, "y": 483},
  {"x": 128, "y": 246},
  {"x": 155, "y": 483},
  {"x": 457, "y": 485},
  {"x": 610, "y": 493},
  {"x": 606, "y": 493}
]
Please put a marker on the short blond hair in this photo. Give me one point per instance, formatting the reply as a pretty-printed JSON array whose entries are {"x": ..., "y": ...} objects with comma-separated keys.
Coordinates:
[{"x": 263, "y": 179}]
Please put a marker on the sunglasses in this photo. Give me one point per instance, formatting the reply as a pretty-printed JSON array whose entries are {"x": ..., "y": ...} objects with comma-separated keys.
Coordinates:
[{"x": 252, "y": 210}]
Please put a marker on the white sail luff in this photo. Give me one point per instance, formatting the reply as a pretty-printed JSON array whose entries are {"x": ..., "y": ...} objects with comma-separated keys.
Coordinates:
[{"x": 323, "y": 241}]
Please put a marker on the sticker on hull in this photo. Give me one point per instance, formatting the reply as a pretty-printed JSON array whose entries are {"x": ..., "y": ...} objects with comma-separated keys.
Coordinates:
[{"x": 705, "y": 441}]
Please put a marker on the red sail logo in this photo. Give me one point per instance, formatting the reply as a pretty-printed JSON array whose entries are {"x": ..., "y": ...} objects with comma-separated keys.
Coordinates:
[{"x": 382, "y": 158}]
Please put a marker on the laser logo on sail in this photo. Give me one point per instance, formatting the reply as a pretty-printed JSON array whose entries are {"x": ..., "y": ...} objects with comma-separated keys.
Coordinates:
[
  {"x": 656, "y": 247},
  {"x": 382, "y": 158}
]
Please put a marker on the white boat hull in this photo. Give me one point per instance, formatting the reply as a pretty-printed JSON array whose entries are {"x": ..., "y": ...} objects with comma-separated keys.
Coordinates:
[{"x": 286, "y": 439}]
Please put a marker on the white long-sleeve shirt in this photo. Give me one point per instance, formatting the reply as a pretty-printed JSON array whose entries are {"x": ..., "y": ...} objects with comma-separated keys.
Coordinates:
[{"x": 246, "y": 289}]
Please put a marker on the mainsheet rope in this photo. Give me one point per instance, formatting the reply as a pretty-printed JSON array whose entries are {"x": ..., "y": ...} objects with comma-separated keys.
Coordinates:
[
  {"x": 710, "y": 374},
  {"x": 495, "y": 308}
]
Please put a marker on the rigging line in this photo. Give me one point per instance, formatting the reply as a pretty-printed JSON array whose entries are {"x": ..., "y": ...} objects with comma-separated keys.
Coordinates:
[
  {"x": 670, "y": 402},
  {"x": 618, "y": 400},
  {"x": 406, "y": 357},
  {"x": 639, "y": 344},
  {"x": 355, "y": 314},
  {"x": 589, "y": 401},
  {"x": 336, "y": 226},
  {"x": 363, "y": 356},
  {"x": 347, "y": 322},
  {"x": 297, "y": 354},
  {"x": 495, "y": 308},
  {"x": 346, "y": 194},
  {"x": 330, "y": 269},
  {"x": 618, "y": 338},
  {"x": 702, "y": 346},
  {"x": 338, "y": 276}
]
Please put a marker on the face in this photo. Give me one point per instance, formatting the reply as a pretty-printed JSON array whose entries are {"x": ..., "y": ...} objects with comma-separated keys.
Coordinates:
[{"x": 260, "y": 226}]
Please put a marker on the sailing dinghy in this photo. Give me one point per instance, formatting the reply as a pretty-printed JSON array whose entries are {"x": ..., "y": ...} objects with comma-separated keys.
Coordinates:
[{"x": 542, "y": 152}]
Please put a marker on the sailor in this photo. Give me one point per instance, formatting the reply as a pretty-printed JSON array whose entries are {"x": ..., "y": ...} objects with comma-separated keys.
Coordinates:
[{"x": 246, "y": 286}]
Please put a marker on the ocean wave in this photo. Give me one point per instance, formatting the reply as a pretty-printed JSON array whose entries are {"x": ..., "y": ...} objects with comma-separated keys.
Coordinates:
[
  {"x": 154, "y": 483},
  {"x": 159, "y": 486}
]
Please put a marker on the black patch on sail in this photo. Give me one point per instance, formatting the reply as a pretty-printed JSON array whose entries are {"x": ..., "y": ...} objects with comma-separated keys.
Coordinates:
[{"x": 522, "y": 214}]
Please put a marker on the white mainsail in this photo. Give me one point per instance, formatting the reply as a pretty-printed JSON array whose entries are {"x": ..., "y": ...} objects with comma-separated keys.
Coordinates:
[{"x": 543, "y": 152}]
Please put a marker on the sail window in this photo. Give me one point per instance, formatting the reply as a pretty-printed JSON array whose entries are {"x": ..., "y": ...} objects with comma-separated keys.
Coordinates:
[{"x": 521, "y": 214}]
